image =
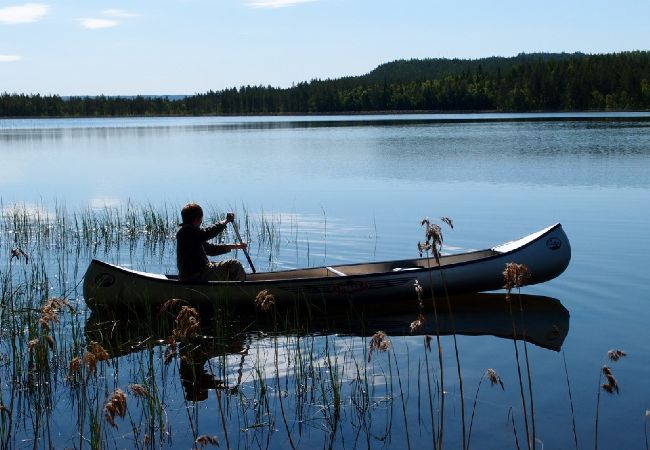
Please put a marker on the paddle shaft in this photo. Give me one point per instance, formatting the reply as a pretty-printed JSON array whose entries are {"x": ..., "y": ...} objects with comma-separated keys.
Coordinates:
[{"x": 248, "y": 258}]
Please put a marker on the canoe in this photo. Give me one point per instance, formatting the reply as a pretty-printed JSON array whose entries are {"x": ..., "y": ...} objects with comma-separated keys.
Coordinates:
[{"x": 546, "y": 253}]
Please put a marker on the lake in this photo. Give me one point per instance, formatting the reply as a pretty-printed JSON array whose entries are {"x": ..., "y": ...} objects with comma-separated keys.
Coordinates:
[{"x": 317, "y": 191}]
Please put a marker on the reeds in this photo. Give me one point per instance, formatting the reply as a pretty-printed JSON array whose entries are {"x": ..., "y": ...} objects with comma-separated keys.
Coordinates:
[
  {"x": 516, "y": 276},
  {"x": 610, "y": 385},
  {"x": 494, "y": 379}
]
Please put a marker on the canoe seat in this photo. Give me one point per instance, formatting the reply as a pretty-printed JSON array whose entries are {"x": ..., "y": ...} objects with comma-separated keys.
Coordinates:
[{"x": 334, "y": 271}]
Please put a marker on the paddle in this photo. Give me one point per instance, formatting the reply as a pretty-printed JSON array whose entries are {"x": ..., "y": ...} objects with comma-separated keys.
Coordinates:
[{"x": 236, "y": 230}]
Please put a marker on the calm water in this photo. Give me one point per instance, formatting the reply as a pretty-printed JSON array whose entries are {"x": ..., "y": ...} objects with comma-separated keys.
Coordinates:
[{"x": 355, "y": 189}]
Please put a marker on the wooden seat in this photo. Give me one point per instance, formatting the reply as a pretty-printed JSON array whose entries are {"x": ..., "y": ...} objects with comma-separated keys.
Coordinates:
[{"x": 334, "y": 271}]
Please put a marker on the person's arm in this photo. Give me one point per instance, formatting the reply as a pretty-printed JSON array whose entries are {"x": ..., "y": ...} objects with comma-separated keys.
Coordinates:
[
  {"x": 216, "y": 229},
  {"x": 220, "y": 249}
]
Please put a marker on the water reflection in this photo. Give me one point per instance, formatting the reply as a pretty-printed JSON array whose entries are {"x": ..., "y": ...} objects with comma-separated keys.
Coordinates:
[{"x": 542, "y": 321}]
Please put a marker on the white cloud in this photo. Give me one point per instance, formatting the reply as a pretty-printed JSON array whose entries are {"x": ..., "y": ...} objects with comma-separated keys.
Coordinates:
[
  {"x": 276, "y": 3},
  {"x": 27, "y": 13},
  {"x": 9, "y": 58},
  {"x": 94, "y": 24},
  {"x": 119, "y": 13}
]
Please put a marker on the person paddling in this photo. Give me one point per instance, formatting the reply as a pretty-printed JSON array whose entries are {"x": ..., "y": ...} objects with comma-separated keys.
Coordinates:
[{"x": 193, "y": 249}]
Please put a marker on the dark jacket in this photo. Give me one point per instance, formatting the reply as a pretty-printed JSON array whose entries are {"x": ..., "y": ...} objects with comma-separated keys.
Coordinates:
[{"x": 192, "y": 248}]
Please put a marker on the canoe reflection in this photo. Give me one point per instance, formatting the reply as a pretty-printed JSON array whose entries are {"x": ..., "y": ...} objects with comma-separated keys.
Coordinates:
[{"x": 542, "y": 321}]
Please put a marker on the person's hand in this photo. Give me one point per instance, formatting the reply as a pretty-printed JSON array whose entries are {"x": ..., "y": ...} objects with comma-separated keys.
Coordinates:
[
  {"x": 230, "y": 217},
  {"x": 242, "y": 246}
]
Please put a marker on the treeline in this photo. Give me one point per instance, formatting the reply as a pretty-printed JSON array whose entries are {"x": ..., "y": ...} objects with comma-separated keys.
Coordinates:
[{"x": 527, "y": 82}]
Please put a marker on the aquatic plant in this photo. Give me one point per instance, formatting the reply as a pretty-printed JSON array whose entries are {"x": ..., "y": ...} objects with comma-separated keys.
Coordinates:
[
  {"x": 610, "y": 386},
  {"x": 494, "y": 379}
]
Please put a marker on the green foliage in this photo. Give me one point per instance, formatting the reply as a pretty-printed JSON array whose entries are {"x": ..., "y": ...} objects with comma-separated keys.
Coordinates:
[{"x": 527, "y": 82}]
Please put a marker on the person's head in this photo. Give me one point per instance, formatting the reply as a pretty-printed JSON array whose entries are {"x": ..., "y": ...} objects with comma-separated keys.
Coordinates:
[{"x": 192, "y": 214}]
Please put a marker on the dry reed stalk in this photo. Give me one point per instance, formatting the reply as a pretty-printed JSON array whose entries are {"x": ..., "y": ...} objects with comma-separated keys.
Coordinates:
[
  {"x": 5, "y": 410},
  {"x": 610, "y": 386},
  {"x": 516, "y": 275},
  {"x": 419, "y": 321},
  {"x": 171, "y": 351},
  {"x": 379, "y": 342},
  {"x": 645, "y": 428},
  {"x": 264, "y": 300},
  {"x": 115, "y": 406},
  {"x": 494, "y": 379},
  {"x": 573, "y": 415},
  {"x": 427, "y": 341}
]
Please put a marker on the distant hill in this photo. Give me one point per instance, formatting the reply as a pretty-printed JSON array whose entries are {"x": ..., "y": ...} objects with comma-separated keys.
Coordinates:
[
  {"x": 408, "y": 70},
  {"x": 526, "y": 82}
]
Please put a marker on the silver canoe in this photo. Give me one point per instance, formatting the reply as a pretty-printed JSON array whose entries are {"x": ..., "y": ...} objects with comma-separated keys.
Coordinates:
[{"x": 546, "y": 253}]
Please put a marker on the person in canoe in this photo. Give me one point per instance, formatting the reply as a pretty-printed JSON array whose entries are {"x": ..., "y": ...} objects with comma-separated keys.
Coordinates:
[{"x": 193, "y": 248}]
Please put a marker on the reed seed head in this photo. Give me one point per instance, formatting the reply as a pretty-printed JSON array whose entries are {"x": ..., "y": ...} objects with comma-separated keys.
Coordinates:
[
  {"x": 206, "y": 440},
  {"x": 115, "y": 406},
  {"x": 31, "y": 345},
  {"x": 612, "y": 385},
  {"x": 264, "y": 300},
  {"x": 75, "y": 365},
  {"x": 433, "y": 239},
  {"x": 515, "y": 275},
  {"x": 90, "y": 361},
  {"x": 170, "y": 305},
  {"x": 494, "y": 378},
  {"x": 379, "y": 342},
  {"x": 17, "y": 253},
  {"x": 98, "y": 351},
  {"x": 615, "y": 354},
  {"x": 187, "y": 324},
  {"x": 139, "y": 391},
  {"x": 50, "y": 310},
  {"x": 417, "y": 323},
  {"x": 448, "y": 221}
]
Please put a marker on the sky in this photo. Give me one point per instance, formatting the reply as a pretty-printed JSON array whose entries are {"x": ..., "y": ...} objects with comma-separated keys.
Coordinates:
[{"x": 177, "y": 47}]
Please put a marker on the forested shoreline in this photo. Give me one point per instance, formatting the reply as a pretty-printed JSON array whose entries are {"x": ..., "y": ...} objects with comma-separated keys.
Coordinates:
[{"x": 527, "y": 82}]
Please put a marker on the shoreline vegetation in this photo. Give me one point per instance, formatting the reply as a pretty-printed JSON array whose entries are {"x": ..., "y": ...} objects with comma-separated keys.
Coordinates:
[{"x": 536, "y": 82}]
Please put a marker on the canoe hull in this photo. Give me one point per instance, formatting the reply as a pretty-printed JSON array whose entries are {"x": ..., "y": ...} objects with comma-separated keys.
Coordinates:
[{"x": 546, "y": 253}]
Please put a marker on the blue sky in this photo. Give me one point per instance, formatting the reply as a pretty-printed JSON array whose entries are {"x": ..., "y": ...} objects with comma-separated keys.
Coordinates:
[{"x": 189, "y": 46}]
